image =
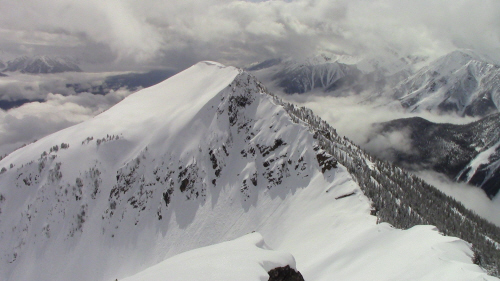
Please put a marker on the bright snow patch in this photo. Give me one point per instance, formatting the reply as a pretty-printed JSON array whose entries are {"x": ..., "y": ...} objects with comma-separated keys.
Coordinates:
[
  {"x": 481, "y": 159},
  {"x": 246, "y": 259}
]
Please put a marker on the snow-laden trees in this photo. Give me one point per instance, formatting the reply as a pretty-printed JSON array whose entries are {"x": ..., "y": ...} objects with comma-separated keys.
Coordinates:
[{"x": 401, "y": 198}]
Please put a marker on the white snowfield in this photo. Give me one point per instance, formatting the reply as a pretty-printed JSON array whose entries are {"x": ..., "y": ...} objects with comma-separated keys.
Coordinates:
[
  {"x": 199, "y": 159},
  {"x": 246, "y": 259}
]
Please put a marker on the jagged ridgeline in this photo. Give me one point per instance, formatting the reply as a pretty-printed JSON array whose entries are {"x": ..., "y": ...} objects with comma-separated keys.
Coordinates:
[{"x": 401, "y": 198}]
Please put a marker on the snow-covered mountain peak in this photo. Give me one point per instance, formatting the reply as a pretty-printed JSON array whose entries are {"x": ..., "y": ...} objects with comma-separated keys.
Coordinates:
[
  {"x": 165, "y": 158},
  {"x": 145, "y": 113},
  {"x": 462, "y": 82},
  {"x": 455, "y": 60},
  {"x": 321, "y": 59},
  {"x": 205, "y": 157}
]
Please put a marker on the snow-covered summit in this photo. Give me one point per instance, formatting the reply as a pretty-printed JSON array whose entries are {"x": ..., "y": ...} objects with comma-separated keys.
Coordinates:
[
  {"x": 158, "y": 112},
  {"x": 205, "y": 157}
]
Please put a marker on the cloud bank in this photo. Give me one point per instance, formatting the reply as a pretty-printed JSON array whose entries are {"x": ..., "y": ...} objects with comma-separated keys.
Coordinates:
[
  {"x": 34, "y": 120},
  {"x": 180, "y": 33},
  {"x": 471, "y": 197},
  {"x": 354, "y": 118}
]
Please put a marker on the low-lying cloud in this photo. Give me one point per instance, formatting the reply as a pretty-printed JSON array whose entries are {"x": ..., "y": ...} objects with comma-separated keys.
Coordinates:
[
  {"x": 19, "y": 86},
  {"x": 471, "y": 197},
  {"x": 356, "y": 119},
  {"x": 34, "y": 120},
  {"x": 387, "y": 144}
]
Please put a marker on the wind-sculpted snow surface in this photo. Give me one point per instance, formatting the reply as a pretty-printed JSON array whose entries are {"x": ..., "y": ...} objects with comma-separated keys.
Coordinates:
[
  {"x": 205, "y": 157},
  {"x": 246, "y": 259}
]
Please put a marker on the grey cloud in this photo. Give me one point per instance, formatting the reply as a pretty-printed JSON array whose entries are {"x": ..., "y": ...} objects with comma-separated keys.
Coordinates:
[
  {"x": 354, "y": 118},
  {"x": 237, "y": 32},
  {"x": 36, "y": 87},
  {"x": 472, "y": 197},
  {"x": 386, "y": 145},
  {"x": 35, "y": 120}
]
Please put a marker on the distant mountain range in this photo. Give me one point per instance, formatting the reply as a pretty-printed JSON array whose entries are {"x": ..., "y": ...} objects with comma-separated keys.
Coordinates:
[
  {"x": 335, "y": 75},
  {"x": 40, "y": 65},
  {"x": 316, "y": 73},
  {"x": 460, "y": 82}
]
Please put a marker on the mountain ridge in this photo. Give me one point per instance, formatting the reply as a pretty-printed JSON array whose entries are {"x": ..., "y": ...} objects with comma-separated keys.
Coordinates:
[
  {"x": 207, "y": 156},
  {"x": 41, "y": 65},
  {"x": 460, "y": 82}
]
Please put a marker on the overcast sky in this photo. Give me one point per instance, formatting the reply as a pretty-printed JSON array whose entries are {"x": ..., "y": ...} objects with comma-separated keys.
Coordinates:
[{"x": 135, "y": 34}]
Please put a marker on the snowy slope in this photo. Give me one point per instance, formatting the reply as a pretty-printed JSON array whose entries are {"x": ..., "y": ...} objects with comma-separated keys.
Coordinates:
[
  {"x": 484, "y": 169},
  {"x": 204, "y": 157},
  {"x": 247, "y": 259}
]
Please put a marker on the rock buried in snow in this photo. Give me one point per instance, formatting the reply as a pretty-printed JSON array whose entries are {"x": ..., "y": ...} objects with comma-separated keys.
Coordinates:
[
  {"x": 285, "y": 274},
  {"x": 326, "y": 161}
]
